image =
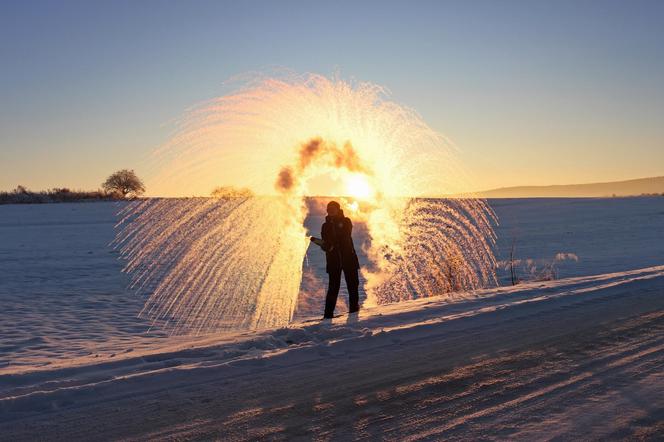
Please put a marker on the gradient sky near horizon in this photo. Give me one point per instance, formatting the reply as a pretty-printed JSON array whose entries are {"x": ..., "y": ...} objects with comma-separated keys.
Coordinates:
[{"x": 532, "y": 92}]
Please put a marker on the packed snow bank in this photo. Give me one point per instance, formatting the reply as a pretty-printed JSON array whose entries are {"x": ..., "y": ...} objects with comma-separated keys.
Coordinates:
[
  {"x": 381, "y": 349},
  {"x": 227, "y": 347},
  {"x": 540, "y": 359}
]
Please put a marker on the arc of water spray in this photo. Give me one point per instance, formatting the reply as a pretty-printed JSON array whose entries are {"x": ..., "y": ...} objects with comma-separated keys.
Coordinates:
[{"x": 207, "y": 264}]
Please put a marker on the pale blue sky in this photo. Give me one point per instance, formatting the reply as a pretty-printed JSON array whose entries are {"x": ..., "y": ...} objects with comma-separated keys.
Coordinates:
[{"x": 532, "y": 92}]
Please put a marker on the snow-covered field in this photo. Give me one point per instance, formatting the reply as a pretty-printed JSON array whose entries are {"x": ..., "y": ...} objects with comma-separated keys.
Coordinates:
[{"x": 577, "y": 357}]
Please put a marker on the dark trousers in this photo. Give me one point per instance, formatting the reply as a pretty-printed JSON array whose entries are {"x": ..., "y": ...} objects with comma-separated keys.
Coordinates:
[{"x": 352, "y": 284}]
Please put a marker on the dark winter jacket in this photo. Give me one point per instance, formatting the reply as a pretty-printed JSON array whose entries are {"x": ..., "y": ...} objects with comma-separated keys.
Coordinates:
[{"x": 339, "y": 248}]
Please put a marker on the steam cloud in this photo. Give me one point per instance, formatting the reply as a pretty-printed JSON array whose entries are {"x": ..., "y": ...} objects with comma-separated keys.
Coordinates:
[{"x": 316, "y": 150}]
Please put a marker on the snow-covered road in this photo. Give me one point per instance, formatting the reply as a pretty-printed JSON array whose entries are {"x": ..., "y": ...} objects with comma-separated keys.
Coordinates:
[{"x": 574, "y": 358}]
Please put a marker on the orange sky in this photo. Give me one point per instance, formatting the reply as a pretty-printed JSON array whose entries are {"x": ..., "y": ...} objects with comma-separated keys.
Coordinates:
[{"x": 531, "y": 92}]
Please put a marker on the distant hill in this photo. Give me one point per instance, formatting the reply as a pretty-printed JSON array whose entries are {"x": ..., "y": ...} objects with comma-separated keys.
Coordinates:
[{"x": 617, "y": 188}]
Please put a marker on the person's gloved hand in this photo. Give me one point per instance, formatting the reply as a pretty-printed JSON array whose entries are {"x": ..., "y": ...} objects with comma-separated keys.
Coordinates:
[{"x": 319, "y": 242}]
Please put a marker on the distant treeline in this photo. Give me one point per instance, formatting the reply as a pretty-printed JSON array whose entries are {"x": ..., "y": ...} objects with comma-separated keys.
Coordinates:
[
  {"x": 120, "y": 185},
  {"x": 21, "y": 195}
]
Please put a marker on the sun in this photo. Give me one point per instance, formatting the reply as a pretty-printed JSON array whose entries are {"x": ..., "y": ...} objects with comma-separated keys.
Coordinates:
[{"x": 357, "y": 186}]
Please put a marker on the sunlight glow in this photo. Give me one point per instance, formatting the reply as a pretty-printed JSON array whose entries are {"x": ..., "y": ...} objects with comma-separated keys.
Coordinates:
[
  {"x": 353, "y": 207},
  {"x": 358, "y": 186}
]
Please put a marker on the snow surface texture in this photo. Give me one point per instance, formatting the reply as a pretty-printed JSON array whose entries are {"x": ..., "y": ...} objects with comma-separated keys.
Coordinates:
[
  {"x": 64, "y": 295},
  {"x": 573, "y": 357}
]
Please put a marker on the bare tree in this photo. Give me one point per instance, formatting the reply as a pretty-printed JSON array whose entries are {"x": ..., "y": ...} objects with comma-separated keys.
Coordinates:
[{"x": 124, "y": 182}]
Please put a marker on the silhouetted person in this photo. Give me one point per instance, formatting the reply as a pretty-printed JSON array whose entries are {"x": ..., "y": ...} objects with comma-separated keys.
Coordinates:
[{"x": 340, "y": 256}]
